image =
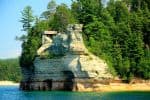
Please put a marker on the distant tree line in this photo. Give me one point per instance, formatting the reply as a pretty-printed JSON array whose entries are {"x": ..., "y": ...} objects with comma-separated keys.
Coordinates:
[
  {"x": 10, "y": 70},
  {"x": 118, "y": 33}
]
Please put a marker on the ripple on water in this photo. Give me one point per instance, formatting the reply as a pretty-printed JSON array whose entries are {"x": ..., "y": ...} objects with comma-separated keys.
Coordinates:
[{"x": 13, "y": 93}]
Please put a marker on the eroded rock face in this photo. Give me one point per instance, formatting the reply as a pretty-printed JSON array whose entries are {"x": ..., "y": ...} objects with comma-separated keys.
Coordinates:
[{"x": 71, "y": 67}]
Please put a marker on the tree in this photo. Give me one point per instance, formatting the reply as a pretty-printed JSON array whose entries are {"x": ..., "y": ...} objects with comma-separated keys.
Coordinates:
[
  {"x": 146, "y": 25},
  {"x": 62, "y": 18},
  {"x": 10, "y": 70},
  {"x": 128, "y": 35},
  {"x": 27, "y": 18},
  {"x": 144, "y": 66},
  {"x": 32, "y": 40},
  {"x": 139, "y": 4},
  {"x": 51, "y": 9},
  {"x": 30, "y": 47},
  {"x": 76, "y": 10},
  {"x": 88, "y": 10},
  {"x": 111, "y": 8}
]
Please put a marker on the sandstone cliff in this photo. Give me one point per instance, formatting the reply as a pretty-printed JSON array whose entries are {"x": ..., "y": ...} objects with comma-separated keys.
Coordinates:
[{"x": 65, "y": 64}]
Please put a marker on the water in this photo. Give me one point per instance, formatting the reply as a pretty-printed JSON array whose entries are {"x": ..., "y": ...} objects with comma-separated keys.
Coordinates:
[{"x": 13, "y": 93}]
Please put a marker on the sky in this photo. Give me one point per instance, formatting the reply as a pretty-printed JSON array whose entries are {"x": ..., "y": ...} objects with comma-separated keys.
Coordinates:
[{"x": 10, "y": 27}]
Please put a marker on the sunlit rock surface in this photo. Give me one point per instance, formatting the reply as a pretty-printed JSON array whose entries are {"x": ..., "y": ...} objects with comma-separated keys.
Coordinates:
[{"x": 69, "y": 65}]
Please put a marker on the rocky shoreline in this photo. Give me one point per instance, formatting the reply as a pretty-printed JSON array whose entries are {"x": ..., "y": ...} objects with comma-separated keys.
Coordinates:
[
  {"x": 86, "y": 85},
  {"x": 111, "y": 87}
]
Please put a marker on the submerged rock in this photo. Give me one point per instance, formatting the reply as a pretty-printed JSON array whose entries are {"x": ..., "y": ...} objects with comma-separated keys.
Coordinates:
[{"x": 69, "y": 67}]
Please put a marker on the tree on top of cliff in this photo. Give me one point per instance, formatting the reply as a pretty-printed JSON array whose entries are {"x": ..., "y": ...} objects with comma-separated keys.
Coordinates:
[
  {"x": 51, "y": 9},
  {"x": 27, "y": 18},
  {"x": 62, "y": 18}
]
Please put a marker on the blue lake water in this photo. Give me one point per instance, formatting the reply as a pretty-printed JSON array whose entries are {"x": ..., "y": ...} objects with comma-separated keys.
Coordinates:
[{"x": 13, "y": 93}]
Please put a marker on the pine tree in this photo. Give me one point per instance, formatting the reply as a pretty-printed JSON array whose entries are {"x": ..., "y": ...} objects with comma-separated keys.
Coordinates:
[
  {"x": 27, "y": 18},
  {"x": 51, "y": 9},
  {"x": 88, "y": 10},
  {"x": 62, "y": 18}
]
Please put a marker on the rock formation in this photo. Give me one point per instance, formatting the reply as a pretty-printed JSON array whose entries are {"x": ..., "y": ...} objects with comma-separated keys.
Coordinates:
[{"x": 67, "y": 66}]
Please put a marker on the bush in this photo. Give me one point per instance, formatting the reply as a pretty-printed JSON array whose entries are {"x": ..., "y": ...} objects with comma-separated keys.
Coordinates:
[{"x": 10, "y": 70}]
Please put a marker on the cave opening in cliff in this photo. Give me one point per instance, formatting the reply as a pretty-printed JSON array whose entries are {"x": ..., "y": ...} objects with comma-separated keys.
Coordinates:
[
  {"x": 69, "y": 81},
  {"x": 48, "y": 84}
]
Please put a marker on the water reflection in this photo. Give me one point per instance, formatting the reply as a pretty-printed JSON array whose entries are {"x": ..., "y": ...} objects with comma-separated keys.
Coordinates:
[{"x": 13, "y": 93}]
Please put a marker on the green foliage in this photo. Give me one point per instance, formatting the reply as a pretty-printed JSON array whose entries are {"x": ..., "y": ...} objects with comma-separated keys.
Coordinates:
[
  {"x": 98, "y": 34},
  {"x": 27, "y": 21},
  {"x": 27, "y": 18},
  {"x": 146, "y": 25},
  {"x": 144, "y": 68},
  {"x": 62, "y": 18},
  {"x": 144, "y": 65},
  {"x": 128, "y": 39},
  {"x": 118, "y": 33},
  {"x": 33, "y": 39},
  {"x": 88, "y": 10},
  {"x": 30, "y": 47},
  {"x": 51, "y": 9},
  {"x": 10, "y": 70}
]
